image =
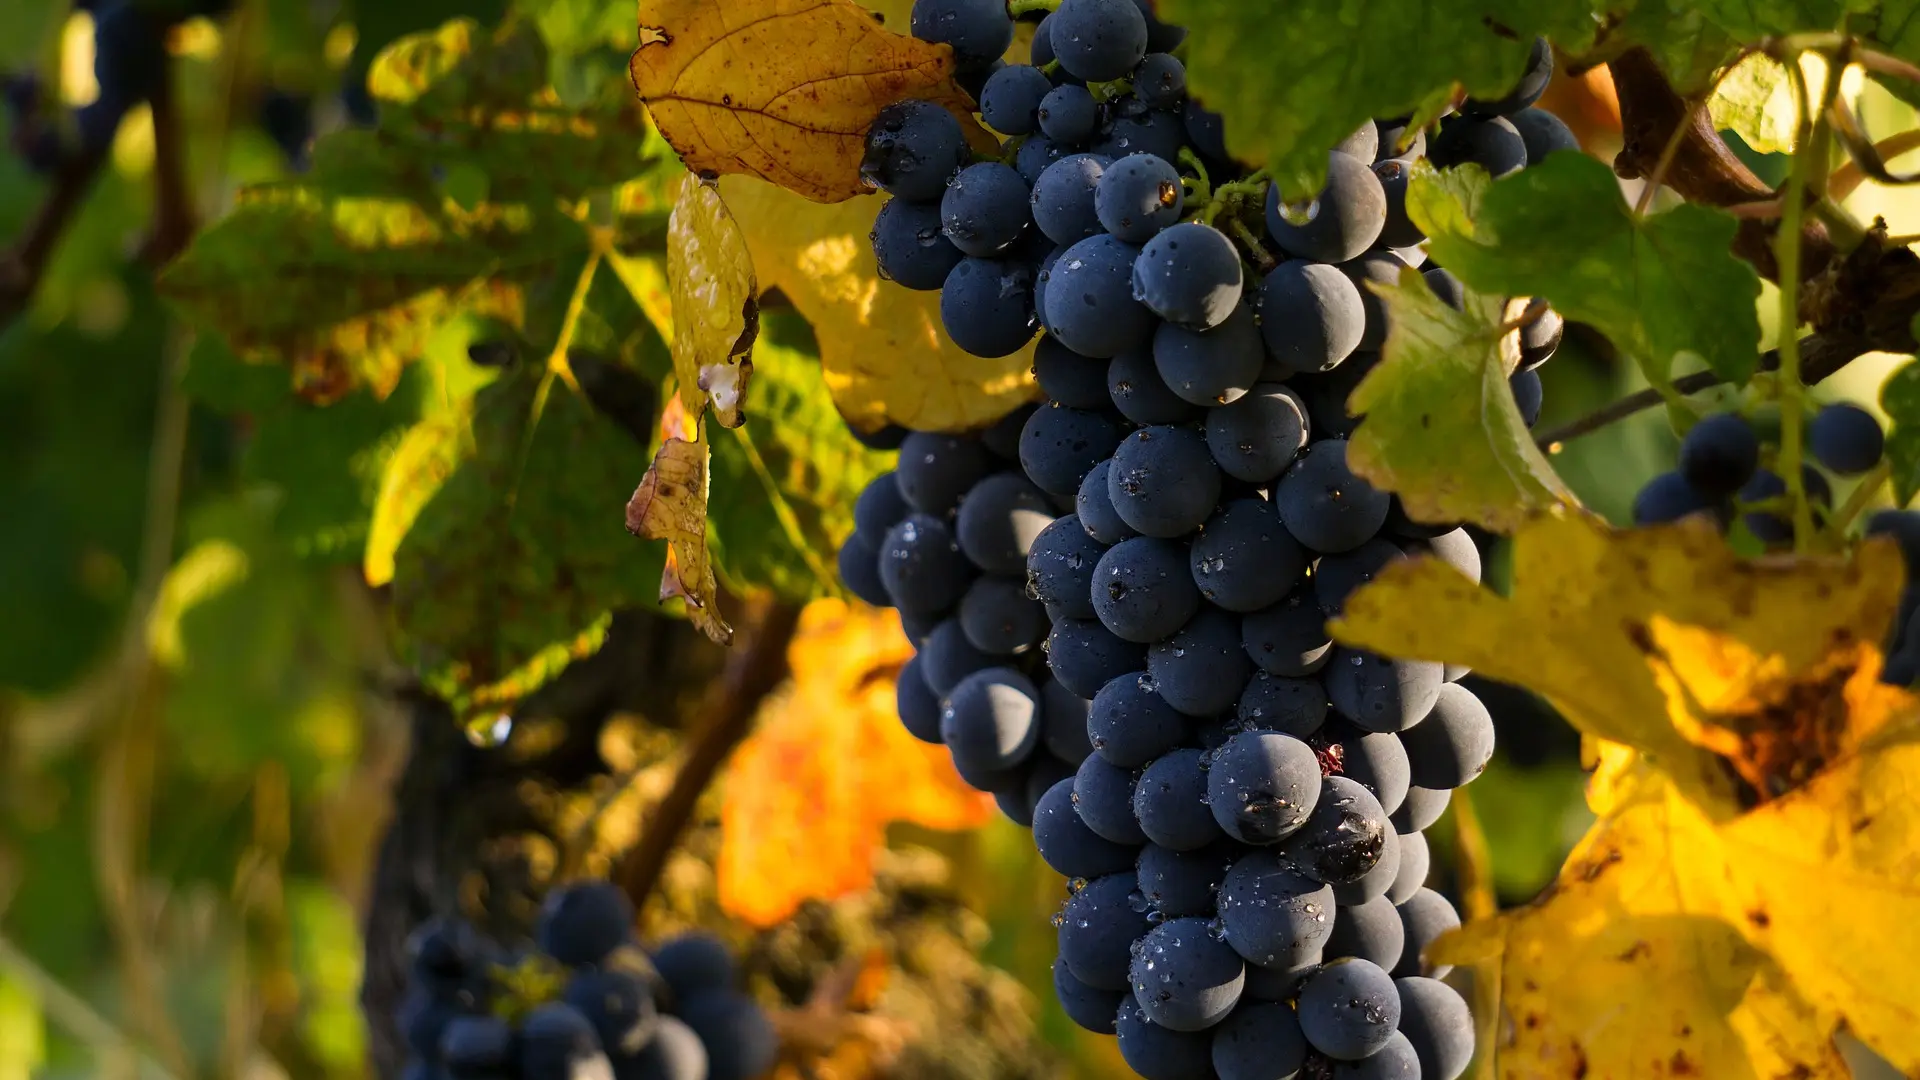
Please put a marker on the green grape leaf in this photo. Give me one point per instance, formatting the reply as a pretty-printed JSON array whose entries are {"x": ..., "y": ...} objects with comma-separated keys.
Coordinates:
[
  {"x": 1750, "y": 20},
  {"x": 785, "y": 483},
  {"x": 1658, "y": 285},
  {"x": 1441, "y": 429},
  {"x": 1900, "y": 397},
  {"x": 1687, "y": 45},
  {"x": 1290, "y": 84},
  {"x": 513, "y": 562}
]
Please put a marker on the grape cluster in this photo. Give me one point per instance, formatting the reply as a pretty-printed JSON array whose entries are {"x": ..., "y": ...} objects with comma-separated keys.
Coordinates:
[
  {"x": 587, "y": 1003},
  {"x": 1240, "y": 807},
  {"x": 1726, "y": 473}
]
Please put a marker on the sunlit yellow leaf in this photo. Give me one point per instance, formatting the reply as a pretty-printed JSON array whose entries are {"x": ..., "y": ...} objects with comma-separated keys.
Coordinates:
[
  {"x": 716, "y": 306},
  {"x": 1441, "y": 429},
  {"x": 882, "y": 351},
  {"x": 426, "y": 456},
  {"x": 1755, "y": 99},
  {"x": 809, "y": 795},
  {"x": 780, "y": 89},
  {"x": 671, "y": 504}
]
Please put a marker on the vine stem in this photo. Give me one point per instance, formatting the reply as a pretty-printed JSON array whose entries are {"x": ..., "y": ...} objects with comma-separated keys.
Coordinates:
[
  {"x": 1862, "y": 497},
  {"x": 1850, "y": 175},
  {"x": 751, "y": 674}
]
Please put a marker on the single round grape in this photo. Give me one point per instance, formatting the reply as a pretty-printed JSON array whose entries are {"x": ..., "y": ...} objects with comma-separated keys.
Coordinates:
[
  {"x": 619, "y": 1004},
  {"x": 1324, "y": 505},
  {"x": 935, "y": 470},
  {"x": 859, "y": 564},
  {"x": 584, "y": 922},
  {"x": 1142, "y": 590},
  {"x": 1262, "y": 786},
  {"x": 880, "y": 507},
  {"x": 1288, "y": 639},
  {"x": 1141, "y": 395},
  {"x": 1085, "y": 655},
  {"x": 1088, "y": 1006},
  {"x": 1067, "y": 845},
  {"x": 1375, "y": 882},
  {"x": 978, "y": 30},
  {"x": 1424, "y": 916},
  {"x": 1129, "y": 722},
  {"x": 999, "y": 519},
  {"x": 1184, "y": 977},
  {"x": 1244, "y": 559},
  {"x": 1543, "y": 133},
  {"x": 1529, "y": 395},
  {"x": 1202, "y": 669},
  {"x": 1010, "y": 100},
  {"x": 1098, "y": 40},
  {"x": 1069, "y": 114},
  {"x": 1161, "y": 1053},
  {"x": 991, "y": 721},
  {"x": 921, "y": 565},
  {"x": 1189, "y": 274},
  {"x": 1379, "y": 693},
  {"x": 1394, "y": 1061},
  {"x": 1375, "y": 760},
  {"x": 1492, "y": 143},
  {"x": 1371, "y": 269},
  {"x": 1453, "y": 744},
  {"x": 1090, "y": 301},
  {"x": 917, "y": 705},
  {"x": 1163, "y": 481},
  {"x": 911, "y": 150},
  {"x": 1335, "y": 577},
  {"x": 1142, "y": 132},
  {"x": 1075, "y": 381},
  {"x": 1097, "y": 928},
  {"x": 1214, "y": 367},
  {"x": 1369, "y": 931},
  {"x": 947, "y": 658},
  {"x": 1103, "y": 795},
  {"x": 1668, "y": 498},
  {"x": 1035, "y": 154},
  {"x": 1274, "y": 916},
  {"x": 1421, "y": 808},
  {"x": 477, "y": 1046},
  {"x": 1296, "y": 707},
  {"x": 1532, "y": 83},
  {"x": 1341, "y": 222},
  {"x": 1260, "y": 1041},
  {"x": 1040, "y": 51},
  {"x": 1846, "y": 438},
  {"x": 1059, "y": 446},
  {"x": 1438, "y": 1026},
  {"x": 1180, "y": 883},
  {"x": 986, "y": 306},
  {"x": 1415, "y": 860},
  {"x": 1257, "y": 436},
  {"x": 1094, "y": 506},
  {"x": 984, "y": 210},
  {"x": 1161, "y": 81},
  {"x": 1349, "y": 1009},
  {"x": 910, "y": 247},
  {"x": 741, "y": 1042},
  {"x": 1063, "y": 196},
  {"x": 1399, "y": 230},
  {"x": 1140, "y": 195},
  {"x": 1344, "y": 837},
  {"x": 1060, "y": 568},
  {"x": 1170, "y": 801},
  {"x": 695, "y": 963}
]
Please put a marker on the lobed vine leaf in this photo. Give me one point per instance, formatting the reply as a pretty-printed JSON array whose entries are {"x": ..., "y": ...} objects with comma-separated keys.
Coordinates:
[
  {"x": 1755, "y": 100},
  {"x": 784, "y": 90},
  {"x": 1659, "y": 285},
  {"x": 715, "y": 308},
  {"x": 1441, "y": 429},
  {"x": 1900, "y": 398},
  {"x": 827, "y": 768},
  {"x": 671, "y": 504},
  {"x": 882, "y": 352}
]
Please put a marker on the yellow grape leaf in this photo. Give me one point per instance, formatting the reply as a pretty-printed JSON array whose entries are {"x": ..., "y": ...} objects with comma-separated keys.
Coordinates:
[
  {"x": 882, "y": 352},
  {"x": 1441, "y": 429},
  {"x": 784, "y": 90},
  {"x": 809, "y": 794},
  {"x": 1750, "y": 886},
  {"x": 1755, "y": 99},
  {"x": 710, "y": 278},
  {"x": 427, "y": 455},
  {"x": 671, "y": 504}
]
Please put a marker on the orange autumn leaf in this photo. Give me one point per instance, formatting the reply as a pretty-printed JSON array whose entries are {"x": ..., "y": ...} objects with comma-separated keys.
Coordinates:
[
  {"x": 780, "y": 89},
  {"x": 671, "y": 504},
  {"x": 808, "y": 796}
]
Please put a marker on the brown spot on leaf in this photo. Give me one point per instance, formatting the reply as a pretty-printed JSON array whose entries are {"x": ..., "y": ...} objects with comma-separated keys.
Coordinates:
[
  {"x": 1637, "y": 951},
  {"x": 1682, "y": 1065},
  {"x": 1759, "y": 918}
]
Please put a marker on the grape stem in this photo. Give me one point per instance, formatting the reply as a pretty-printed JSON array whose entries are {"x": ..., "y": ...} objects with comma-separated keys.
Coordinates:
[
  {"x": 1262, "y": 259},
  {"x": 1203, "y": 188},
  {"x": 1862, "y": 497},
  {"x": 1851, "y": 174}
]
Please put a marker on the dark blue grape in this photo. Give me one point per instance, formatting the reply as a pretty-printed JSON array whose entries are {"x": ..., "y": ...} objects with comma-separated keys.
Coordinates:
[
  {"x": 477, "y": 1046},
  {"x": 1130, "y": 724},
  {"x": 1098, "y": 40},
  {"x": 999, "y": 618},
  {"x": 1103, "y": 795},
  {"x": 1202, "y": 669},
  {"x": 675, "y": 1053},
  {"x": 584, "y": 922},
  {"x": 1067, "y": 845},
  {"x": 859, "y": 563},
  {"x": 1069, "y": 114},
  {"x": 1375, "y": 760},
  {"x": 1324, "y": 505},
  {"x": 1161, "y": 81},
  {"x": 921, "y": 565},
  {"x": 1002, "y": 437},
  {"x": 1424, "y": 916},
  {"x": 1010, "y": 100},
  {"x": 1212, "y": 367},
  {"x": 1063, "y": 723},
  {"x": 1492, "y": 143},
  {"x": 1090, "y": 1007},
  {"x": 1279, "y": 984},
  {"x": 1370, "y": 931},
  {"x": 1161, "y": 1053},
  {"x": 1042, "y": 772},
  {"x": 1090, "y": 301},
  {"x": 1374, "y": 883},
  {"x": 911, "y": 150},
  {"x": 936, "y": 469},
  {"x": 1381, "y": 694},
  {"x": 1262, "y": 786},
  {"x": 1094, "y": 506},
  {"x": 1256, "y": 437},
  {"x": 1532, "y": 83},
  {"x": 1529, "y": 396},
  {"x": 1060, "y": 568},
  {"x": 946, "y": 657},
  {"x": 1085, "y": 655},
  {"x": 1374, "y": 268},
  {"x": 1260, "y": 1041},
  {"x": 1139, "y": 195},
  {"x": 1206, "y": 130},
  {"x": 1415, "y": 860},
  {"x": 1336, "y": 576},
  {"x": 1399, "y": 230},
  {"x": 1773, "y": 528},
  {"x": 1274, "y": 917},
  {"x": 1292, "y": 706},
  {"x": 1311, "y": 316},
  {"x": 880, "y": 507},
  {"x": 910, "y": 247},
  {"x": 1668, "y": 498},
  {"x": 1341, "y": 222},
  {"x": 1394, "y": 1061},
  {"x": 991, "y": 721},
  {"x": 1184, "y": 977},
  {"x": 887, "y": 437},
  {"x": 423, "y": 1019},
  {"x": 999, "y": 519},
  {"x": 1170, "y": 801},
  {"x": 1421, "y": 808},
  {"x": 741, "y": 1042},
  {"x": 1141, "y": 395},
  {"x": 1035, "y": 154},
  {"x": 695, "y": 963},
  {"x": 978, "y": 30},
  {"x": 1076, "y": 381},
  {"x": 1059, "y": 446},
  {"x": 984, "y": 209},
  {"x": 559, "y": 1042},
  {"x": 1846, "y": 438},
  {"x": 1163, "y": 481},
  {"x": 986, "y": 306},
  {"x": 1438, "y": 1026},
  {"x": 1063, "y": 199},
  {"x": 1446, "y": 287},
  {"x": 1149, "y": 132},
  {"x": 918, "y": 706},
  {"x": 1098, "y": 926},
  {"x": 1288, "y": 639},
  {"x": 1453, "y": 744},
  {"x": 1183, "y": 883},
  {"x": 1344, "y": 837},
  {"x": 1142, "y": 590},
  {"x": 1543, "y": 133},
  {"x": 1189, "y": 274},
  {"x": 1244, "y": 560},
  {"x": 1349, "y": 1009}
]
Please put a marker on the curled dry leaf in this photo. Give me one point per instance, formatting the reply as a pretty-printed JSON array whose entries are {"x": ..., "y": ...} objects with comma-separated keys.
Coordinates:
[
  {"x": 716, "y": 305},
  {"x": 671, "y": 504},
  {"x": 780, "y": 89},
  {"x": 1748, "y": 888}
]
